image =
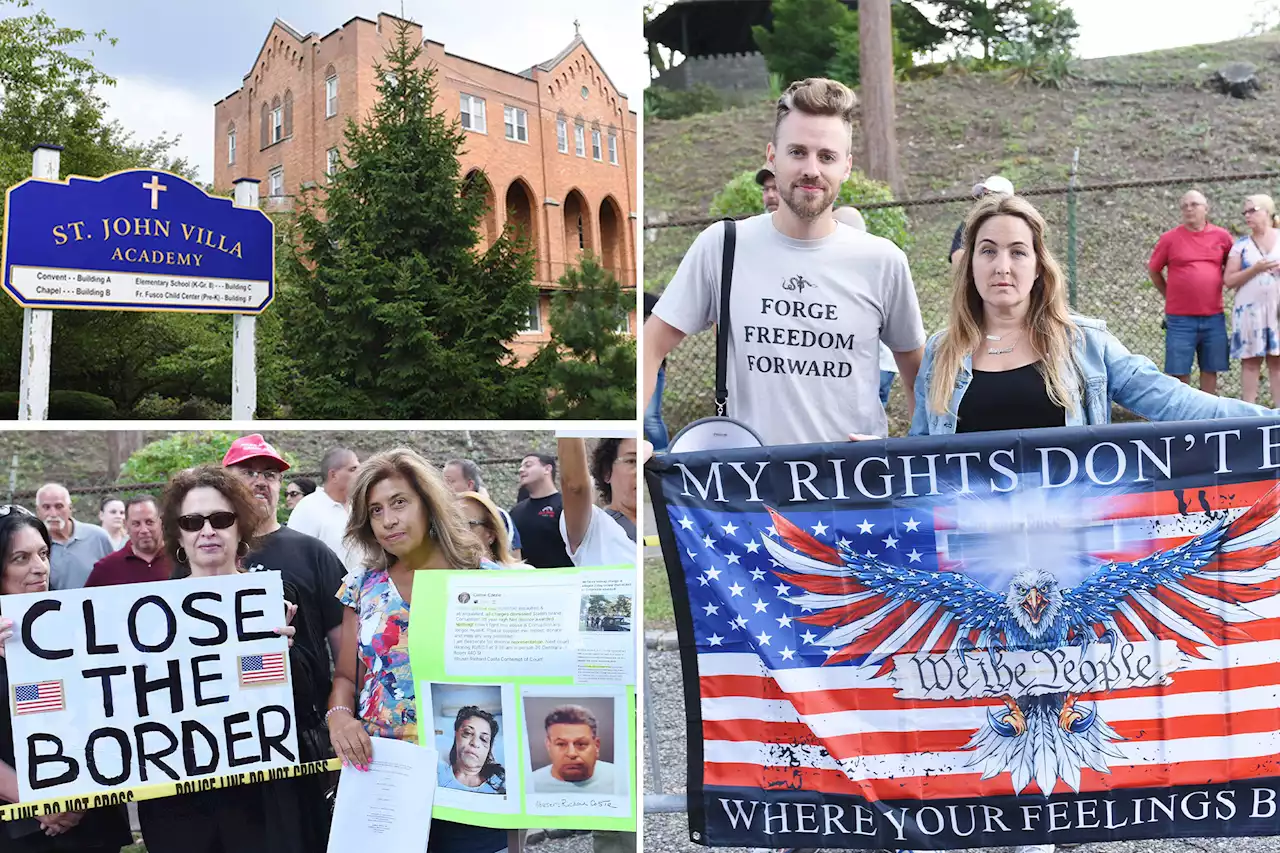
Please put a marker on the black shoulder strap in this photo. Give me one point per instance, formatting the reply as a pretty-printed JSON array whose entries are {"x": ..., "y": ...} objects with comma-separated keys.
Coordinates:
[{"x": 722, "y": 330}]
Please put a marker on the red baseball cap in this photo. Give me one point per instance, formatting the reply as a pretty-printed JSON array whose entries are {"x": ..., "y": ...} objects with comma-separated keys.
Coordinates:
[{"x": 252, "y": 447}]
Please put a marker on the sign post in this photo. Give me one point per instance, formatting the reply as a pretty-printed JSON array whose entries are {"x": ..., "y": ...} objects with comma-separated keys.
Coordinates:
[
  {"x": 244, "y": 378},
  {"x": 139, "y": 240},
  {"x": 37, "y": 324}
]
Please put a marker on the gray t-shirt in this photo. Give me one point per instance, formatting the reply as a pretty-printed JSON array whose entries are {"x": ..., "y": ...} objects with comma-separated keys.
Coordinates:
[
  {"x": 70, "y": 563},
  {"x": 808, "y": 317}
]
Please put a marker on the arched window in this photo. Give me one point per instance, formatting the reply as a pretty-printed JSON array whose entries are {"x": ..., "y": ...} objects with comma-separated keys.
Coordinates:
[
  {"x": 288, "y": 114},
  {"x": 231, "y": 144},
  {"x": 277, "y": 120},
  {"x": 265, "y": 129},
  {"x": 330, "y": 92}
]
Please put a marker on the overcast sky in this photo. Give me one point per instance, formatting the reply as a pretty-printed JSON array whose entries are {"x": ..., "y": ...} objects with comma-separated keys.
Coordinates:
[{"x": 173, "y": 60}]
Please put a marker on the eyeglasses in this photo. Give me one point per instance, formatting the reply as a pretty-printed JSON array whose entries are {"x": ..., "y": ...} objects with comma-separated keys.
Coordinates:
[
  {"x": 269, "y": 475},
  {"x": 20, "y": 510},
  {"x": 195, "y": 523},
  {"x": 293, "y": 493},
  {"x": 1249, "y": 210}
]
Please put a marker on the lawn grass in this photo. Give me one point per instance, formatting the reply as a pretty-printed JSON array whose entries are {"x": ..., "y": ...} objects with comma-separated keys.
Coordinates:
[{"x": 658, "y": 614}]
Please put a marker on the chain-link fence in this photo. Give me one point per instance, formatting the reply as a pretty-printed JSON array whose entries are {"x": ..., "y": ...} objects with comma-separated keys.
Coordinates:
[{"x": 1101, "y": 234}]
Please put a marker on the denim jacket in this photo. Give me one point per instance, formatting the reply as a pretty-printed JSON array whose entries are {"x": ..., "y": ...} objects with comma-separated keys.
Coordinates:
[{"x": 1109, "y": 372}]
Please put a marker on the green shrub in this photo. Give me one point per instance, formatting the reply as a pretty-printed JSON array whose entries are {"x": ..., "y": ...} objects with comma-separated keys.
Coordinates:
[
  {"x": 161, "y": 459},
  {"x": 660, "y": 102},
  {"x": 65, "y": 406},
  {"x": 741, "y": 197}
]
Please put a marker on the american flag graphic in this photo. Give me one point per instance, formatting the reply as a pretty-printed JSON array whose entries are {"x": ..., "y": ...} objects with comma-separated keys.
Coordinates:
[
  {"x": 783, "y": 708},
  {"x": 38, "y": 698},
  {"x": 262, "y": 669}
]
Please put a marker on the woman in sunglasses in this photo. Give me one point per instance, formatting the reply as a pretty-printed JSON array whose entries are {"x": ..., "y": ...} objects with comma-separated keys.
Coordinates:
[
  {"x": 1251, "y": 273},
  {"x": 486, "y": 523},
  {"x": 405, "y": 519},
  {"x": 298, "y": 488},
  {"x": 208, "y": 518},
  {"x": 24, "y": 555}
]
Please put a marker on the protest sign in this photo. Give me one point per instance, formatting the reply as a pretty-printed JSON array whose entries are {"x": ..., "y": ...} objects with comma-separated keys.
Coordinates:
[
  {"x": 548, "y": 659},
  {"x": 115, "y": 689},
  {"x": 984, "y": 640}
]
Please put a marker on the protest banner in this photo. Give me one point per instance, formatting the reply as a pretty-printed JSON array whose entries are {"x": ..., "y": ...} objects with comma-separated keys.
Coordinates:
[
  {"x": 549, "y": 658},
  {"x": 1064, "y": 635},
  {"x": 129, "y": 692}
]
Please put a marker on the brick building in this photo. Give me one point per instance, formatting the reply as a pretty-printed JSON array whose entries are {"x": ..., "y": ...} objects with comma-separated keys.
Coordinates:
[{"x": 552, "y": 147}]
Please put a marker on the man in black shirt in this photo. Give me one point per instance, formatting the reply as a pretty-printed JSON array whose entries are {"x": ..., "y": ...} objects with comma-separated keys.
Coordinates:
[
  {"x": 538, "y": 516},
  {"x": 303, "y": 561}
]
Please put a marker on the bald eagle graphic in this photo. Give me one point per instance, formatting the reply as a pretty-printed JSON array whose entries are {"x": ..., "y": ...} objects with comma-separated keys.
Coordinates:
[{"x": 1195, "y": 595}]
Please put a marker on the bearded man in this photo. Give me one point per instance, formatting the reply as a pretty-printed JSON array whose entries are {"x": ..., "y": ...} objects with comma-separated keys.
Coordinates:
[{"x": 810, "y": 301}]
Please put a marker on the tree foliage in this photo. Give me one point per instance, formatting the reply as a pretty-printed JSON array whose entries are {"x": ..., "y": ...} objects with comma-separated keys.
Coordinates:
[
  {"x": 391, "y": 309},
  {"x": 589, "y": 361},
  {"x": 161, "y": 459}
]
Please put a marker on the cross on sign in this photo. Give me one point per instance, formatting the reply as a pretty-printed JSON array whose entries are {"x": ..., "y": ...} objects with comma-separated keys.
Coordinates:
[{"x": 156, "y": 188}]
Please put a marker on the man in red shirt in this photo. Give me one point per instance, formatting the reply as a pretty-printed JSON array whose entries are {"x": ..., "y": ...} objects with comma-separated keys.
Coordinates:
[
  {"x": 142, "y": 558},
  {"x": 1194, "y": 254}
]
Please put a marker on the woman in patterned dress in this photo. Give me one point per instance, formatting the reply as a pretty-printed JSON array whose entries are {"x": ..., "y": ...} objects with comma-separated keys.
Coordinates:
[
  {"x": 406, "y": 519},
  {"x": 1250, "y": 271}
]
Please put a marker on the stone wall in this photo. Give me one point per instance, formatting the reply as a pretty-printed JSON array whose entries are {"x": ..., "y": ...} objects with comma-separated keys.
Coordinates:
[{"x": 726, "y": 73}]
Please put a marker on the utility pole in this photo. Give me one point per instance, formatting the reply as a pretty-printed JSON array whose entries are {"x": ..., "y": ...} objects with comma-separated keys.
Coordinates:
[{"x": 879, "y": 134}]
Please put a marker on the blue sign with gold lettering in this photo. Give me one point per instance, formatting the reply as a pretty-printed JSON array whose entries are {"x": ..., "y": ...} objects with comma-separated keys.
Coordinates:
[{"x": 136, "y": 240}]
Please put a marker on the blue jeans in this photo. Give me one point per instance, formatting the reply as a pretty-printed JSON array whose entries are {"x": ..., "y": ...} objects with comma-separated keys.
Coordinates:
[
  {"x": 1185, "y": 338},
  {"x": 655, "y": 431},
  {"x": 886, "y": 382}
]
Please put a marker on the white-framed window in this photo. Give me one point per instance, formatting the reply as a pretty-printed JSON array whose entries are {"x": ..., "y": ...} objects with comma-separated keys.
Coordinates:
[
  {"x": 533, "y": 320},
  {"x": 624, "y": 328},
  {"x": 472, "y": 109},
  {"x": 277, "y": 124},
  {"x": 516, "y": 121},
  {"x": 562, "y": 136},
  {"x": 595, "y": 145},
  {"x": 231, "y": 147},
  {"x": 613, "y": 148},
  {"x": 580, "y": 140},
  {"x": 392, "y": 80},
  {"x": 331, "y": 97},
  {"x": 275, "y": 182},
  {"x": 331, "y": 162}
]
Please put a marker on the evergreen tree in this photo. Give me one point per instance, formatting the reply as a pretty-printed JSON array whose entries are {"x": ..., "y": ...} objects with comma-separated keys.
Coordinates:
[
  {"x": 589, "y": 362},
  {"x": 390, "y": 308}
]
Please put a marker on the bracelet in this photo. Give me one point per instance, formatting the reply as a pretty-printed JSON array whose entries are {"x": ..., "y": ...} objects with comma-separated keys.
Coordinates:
[{"x": 337, "y": 708}]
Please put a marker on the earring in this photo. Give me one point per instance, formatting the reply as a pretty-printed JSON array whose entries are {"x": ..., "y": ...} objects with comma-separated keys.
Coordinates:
[
  {"x": 181, "y": 554},
  {"x": 431, "y": 530}
]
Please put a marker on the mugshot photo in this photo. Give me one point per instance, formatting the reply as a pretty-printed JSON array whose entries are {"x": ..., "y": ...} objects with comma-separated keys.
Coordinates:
[
  {"x": 467, "y": 722},
  {"x": 571, "y": 745}
]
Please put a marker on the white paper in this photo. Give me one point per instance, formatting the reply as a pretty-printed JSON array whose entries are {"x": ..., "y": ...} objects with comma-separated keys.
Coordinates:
[
  {"x": 606, "y": 619},
  {"x": 509, "y": 624},
  {"x": 389, "y": 804}
]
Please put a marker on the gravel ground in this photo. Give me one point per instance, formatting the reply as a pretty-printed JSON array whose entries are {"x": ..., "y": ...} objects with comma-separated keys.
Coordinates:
[{"x": 669, "y": 833}]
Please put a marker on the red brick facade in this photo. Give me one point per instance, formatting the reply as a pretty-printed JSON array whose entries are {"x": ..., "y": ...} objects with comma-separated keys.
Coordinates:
[{"x": 284, "y": 123}]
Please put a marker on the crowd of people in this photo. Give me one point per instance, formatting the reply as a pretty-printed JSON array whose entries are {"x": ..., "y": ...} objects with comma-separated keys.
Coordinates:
[
  {"x": 1011, "y": 356},
  {"x": 346, "y": 558}
]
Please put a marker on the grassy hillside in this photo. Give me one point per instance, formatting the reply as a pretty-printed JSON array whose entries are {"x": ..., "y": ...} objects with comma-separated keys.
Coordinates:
[
  {"x": 1145, "y": 116},
  {"x": 80, "y": 459}
]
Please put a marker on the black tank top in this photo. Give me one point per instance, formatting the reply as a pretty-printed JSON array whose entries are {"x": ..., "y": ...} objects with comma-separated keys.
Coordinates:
[{"x": 1009, "y": 399}]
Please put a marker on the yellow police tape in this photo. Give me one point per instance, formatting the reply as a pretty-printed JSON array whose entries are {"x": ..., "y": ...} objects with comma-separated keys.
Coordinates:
[
  {"x": 119, "y": 796},
  {"x": 650, "y": 541}
]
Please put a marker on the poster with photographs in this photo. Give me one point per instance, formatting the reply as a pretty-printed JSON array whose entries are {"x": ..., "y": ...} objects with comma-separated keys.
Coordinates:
[{"x": 528, "y": 681}]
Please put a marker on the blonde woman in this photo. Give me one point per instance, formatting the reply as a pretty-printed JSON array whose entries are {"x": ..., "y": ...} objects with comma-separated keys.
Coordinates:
[
  {"x": 1250, "y": 271},
  {"x": 405, "y": 519},
  {"x": 1014, "y": 357},
  {"x": 485, "y": 520}
]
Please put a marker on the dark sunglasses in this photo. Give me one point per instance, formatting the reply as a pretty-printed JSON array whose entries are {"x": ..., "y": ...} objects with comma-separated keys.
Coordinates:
[
  {"x": 195, "y": 523},
  {"x": 1249, "y": 210},
  {"x": 293, "y": 493}
]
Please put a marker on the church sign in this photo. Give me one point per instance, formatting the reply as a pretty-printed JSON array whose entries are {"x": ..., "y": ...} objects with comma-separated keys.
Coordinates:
[{"x": 141, "y": 240}]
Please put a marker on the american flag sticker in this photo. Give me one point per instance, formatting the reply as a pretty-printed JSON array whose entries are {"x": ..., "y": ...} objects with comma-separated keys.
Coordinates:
[
  {"x": 38, "y": 698},
  {"x": 262, "y": 669}
]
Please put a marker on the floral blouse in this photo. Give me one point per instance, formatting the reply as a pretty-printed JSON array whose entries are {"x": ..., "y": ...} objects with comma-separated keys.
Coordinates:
[{"x": 386, "y": 703}]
